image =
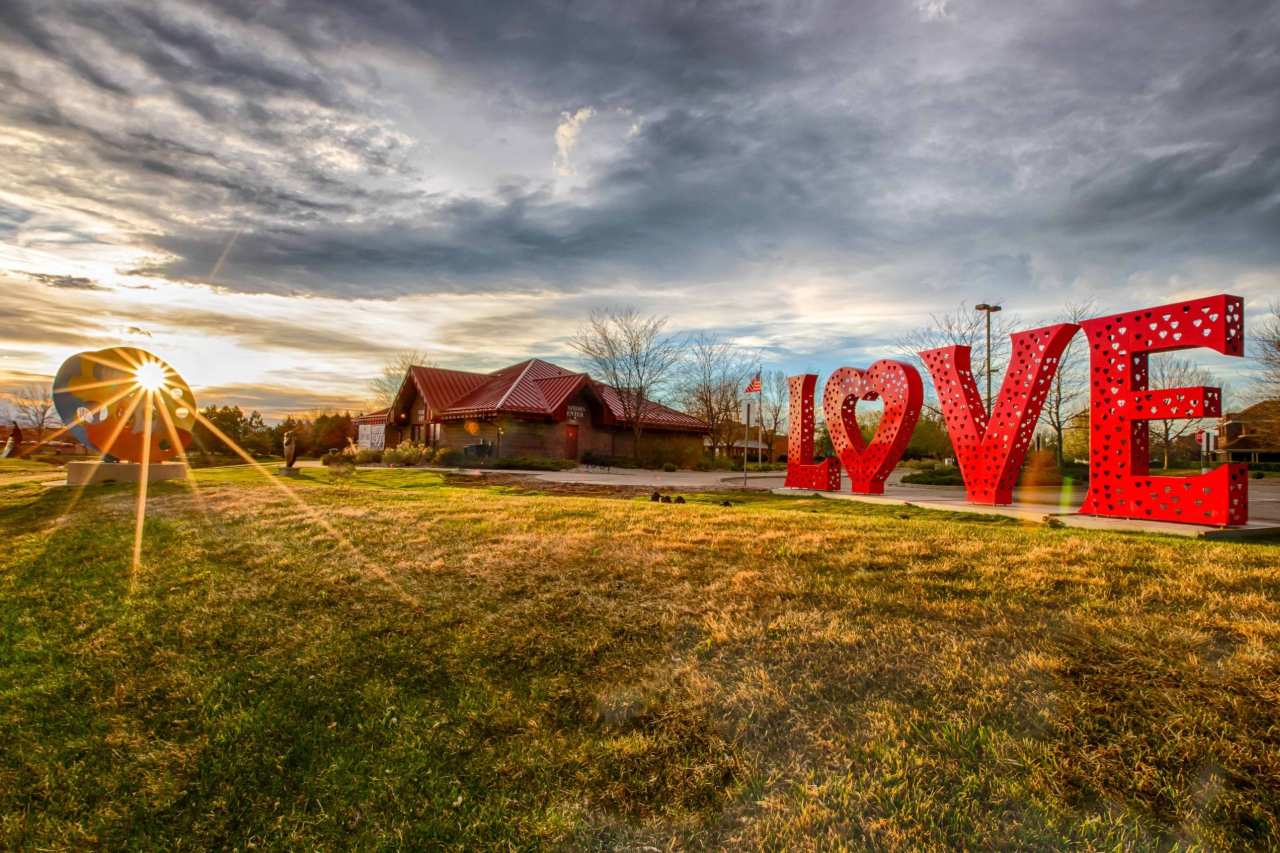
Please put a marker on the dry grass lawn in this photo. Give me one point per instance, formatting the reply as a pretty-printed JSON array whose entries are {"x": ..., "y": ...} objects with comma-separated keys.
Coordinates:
[{"x": 410, "y": 663}]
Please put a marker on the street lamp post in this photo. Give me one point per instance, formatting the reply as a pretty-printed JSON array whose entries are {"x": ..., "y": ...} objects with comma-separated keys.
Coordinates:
[{"x": 988, "y": 310}]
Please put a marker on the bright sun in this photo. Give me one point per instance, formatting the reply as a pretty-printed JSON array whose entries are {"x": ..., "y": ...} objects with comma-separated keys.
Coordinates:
[{"x": 149, "y": 375}]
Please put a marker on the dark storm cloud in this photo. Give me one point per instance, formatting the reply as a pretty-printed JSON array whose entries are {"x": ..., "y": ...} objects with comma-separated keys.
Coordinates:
[{"x": 989, "y": 146}]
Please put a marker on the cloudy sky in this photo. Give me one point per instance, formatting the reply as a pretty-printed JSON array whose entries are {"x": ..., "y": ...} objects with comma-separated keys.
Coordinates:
[{"x": 276, "y": 196}]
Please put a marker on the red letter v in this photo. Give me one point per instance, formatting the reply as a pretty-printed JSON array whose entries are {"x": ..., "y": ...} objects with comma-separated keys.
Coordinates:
[{"x": 990, "y": 455}]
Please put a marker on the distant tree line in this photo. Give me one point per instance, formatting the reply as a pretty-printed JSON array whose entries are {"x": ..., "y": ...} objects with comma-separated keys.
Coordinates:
[{"x": 315, "y": 435}]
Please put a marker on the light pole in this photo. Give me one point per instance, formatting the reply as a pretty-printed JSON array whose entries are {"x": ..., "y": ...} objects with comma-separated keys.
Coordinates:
[{"x": 988, "y": 310}]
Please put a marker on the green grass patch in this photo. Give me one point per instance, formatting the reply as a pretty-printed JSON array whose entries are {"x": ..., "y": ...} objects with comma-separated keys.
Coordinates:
[{"x": 387, "y": 660}]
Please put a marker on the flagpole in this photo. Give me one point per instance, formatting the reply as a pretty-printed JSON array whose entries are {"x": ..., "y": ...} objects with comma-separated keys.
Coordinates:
[
  {"x": 746, "y": 439},
  {"x": 760, "y": 416}
]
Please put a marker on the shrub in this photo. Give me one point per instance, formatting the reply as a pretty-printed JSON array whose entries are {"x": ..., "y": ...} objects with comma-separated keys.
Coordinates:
[
  {"x": 943, "y": 475},
  {"x": 602, "y": 460},
  {"x": 449, "y": 457},
  {"x": 714, "y": 463},
  {"x": 531, "y": 463},
  {"x": 406, "y": 453},
  {"x": 333, "y": 457},
  {"x": 669, "y": 467},
  {"x": 367, "y": 455},
  {"x": 342, "y": 466}
]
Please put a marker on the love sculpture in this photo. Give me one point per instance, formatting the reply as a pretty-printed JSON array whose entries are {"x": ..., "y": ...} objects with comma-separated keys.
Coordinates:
[
  {"x": 991, "y": 450},
  {"x": 869, "y": 464}
]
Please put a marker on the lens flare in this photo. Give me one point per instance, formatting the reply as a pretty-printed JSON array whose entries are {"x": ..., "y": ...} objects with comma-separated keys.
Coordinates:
[
  {"x": 150, "y": 376},
  {"x": 128, "y": 404}
]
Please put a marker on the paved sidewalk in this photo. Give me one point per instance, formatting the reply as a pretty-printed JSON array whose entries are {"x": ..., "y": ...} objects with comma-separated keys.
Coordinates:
[{"x": 1056, "y": 505}]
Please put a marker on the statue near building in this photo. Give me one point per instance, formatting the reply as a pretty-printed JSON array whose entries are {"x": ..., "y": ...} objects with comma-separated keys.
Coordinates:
[{"x": 290, "y": 446}]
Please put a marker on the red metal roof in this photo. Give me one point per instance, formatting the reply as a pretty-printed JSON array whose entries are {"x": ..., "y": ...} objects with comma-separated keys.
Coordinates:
[
  {"x": 378, "y": 417},
  {"x": 533, "y": 387},
  {"x": 441, "y": 388},
  {"x": 654, "y": 415}
]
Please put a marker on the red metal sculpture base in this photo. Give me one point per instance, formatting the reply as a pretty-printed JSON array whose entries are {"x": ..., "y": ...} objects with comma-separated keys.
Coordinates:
[
  {"x": 1122, "y": 406},
  {"x": 990, "y": 455},
  {"x": 802, "y": 473},
  {"x": 870, "y": 463}
]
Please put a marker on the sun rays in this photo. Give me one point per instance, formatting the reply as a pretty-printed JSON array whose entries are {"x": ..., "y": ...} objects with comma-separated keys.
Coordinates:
[{"x": 131, "y": 405}]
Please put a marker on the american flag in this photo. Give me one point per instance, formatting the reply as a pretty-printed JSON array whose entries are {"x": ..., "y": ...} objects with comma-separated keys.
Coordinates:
[{"x": 754, "y": 386}]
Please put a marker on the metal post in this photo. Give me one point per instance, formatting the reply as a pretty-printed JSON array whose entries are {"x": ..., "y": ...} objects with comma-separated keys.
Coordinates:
[
  {"x": 746, "y": 439},
  {"x": 760, "y": 428},
  {"x": 988, "y": 353},
  {"x": 989, "y": 310}
]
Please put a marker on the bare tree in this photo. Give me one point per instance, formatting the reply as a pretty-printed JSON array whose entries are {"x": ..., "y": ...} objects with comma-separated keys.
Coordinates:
[
  {"x": 713, "y": 372},
  {"x": 384, "y": 387},
  {"x": 963, "y": 326},
  {"x": 631, "y": 352},
  {"x": 1171, "y": 372},
  {"x": 34, "y": 407},
  {"x": 775, "y": 397},
  {"x": 1268, "y": 349},
  {"x": 1069, "y": 396}
]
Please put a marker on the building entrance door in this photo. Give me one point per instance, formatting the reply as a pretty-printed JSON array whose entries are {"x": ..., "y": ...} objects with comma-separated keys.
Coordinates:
[{"x": 571, "y": 441}]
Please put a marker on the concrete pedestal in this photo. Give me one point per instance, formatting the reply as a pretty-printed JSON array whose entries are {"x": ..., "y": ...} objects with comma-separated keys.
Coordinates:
[
  {"x": 93, "y": 473},
  {"x": 287, "y": 472}
]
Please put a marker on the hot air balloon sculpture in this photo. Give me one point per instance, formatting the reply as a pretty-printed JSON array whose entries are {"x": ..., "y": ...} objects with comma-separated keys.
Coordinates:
[{"x": 131, "y": 407}]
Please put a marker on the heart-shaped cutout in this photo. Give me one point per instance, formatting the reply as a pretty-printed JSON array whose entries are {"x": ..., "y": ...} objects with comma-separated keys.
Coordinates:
[{"x": 898, "y": 385}]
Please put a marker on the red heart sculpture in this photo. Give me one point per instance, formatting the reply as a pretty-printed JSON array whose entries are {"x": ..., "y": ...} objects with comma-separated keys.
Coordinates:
[{"x": 869, "y": 464}]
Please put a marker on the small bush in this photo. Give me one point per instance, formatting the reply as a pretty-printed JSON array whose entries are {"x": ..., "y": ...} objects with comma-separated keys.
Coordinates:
[
  {"x": 530, "y": 463},
  {"x": 670, "y": 467},
  {"x": 406, "y": 453},
  {"x": 342, "y": 466},
  {"x": 367, "y": 455},
  {"x": 449, "y": 457}
]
